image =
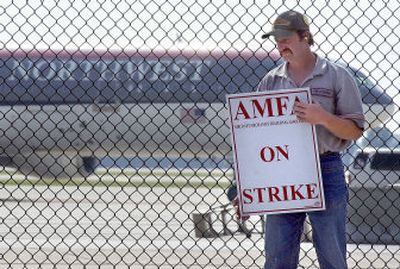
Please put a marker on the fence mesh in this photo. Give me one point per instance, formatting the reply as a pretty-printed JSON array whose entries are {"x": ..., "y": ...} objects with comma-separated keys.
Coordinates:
[{"x": 114, "y": 144}]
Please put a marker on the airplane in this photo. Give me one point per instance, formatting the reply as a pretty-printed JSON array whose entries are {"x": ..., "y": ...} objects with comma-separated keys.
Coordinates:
[{"x": 62, "y": 111}]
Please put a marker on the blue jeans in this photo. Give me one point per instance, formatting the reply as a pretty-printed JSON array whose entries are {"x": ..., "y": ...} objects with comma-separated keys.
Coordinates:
[{"x": 283, "y": 231}]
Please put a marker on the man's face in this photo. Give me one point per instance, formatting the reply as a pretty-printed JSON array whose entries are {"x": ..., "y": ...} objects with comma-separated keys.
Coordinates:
[{"x": 291, "y": 47}]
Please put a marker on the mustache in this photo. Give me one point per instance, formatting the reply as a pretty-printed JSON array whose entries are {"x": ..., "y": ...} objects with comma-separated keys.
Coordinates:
[{"x": 285, "y": 51}]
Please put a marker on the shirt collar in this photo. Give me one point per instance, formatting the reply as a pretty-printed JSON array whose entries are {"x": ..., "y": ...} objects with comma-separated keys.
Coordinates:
[{"x": 319, "y": 68}]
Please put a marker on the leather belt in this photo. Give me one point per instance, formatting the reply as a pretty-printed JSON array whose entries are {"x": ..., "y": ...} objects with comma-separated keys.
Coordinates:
[{"x": 327, "y": 153}]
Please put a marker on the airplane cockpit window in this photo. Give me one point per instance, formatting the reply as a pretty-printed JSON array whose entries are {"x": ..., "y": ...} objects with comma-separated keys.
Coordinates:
[{"x": 362, "y": 79}]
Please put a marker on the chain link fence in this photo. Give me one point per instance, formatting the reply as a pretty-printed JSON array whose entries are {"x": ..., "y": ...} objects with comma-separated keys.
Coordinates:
[{"x": 114, "y": 144}]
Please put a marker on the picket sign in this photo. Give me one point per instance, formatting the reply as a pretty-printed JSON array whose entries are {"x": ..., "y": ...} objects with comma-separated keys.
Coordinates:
[{"x": 276, "y": 157}]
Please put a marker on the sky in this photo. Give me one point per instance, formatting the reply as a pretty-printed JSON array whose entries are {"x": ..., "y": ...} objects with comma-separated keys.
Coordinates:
[{"x": 362, "y": 33}]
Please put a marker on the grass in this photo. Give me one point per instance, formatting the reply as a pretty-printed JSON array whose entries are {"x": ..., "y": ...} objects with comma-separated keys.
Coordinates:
[{"x": 157, "y": 178}]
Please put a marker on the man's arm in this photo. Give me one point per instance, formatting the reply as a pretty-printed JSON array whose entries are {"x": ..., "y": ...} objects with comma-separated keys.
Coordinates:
[{"x": 315, "y": 114}]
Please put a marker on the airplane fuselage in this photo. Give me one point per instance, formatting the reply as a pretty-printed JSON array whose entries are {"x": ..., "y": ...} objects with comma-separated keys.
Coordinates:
[{"x": 74, "y": 107}]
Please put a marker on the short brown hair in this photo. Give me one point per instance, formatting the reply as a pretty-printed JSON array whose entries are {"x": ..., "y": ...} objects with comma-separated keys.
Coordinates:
[{"x": 306, "y": 34}]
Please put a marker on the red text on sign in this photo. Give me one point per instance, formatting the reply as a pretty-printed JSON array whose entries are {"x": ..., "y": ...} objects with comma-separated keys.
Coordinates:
[
  {"x": 280, "y": 193},
  {"x": 269, "y": 154},
  {"x": 265, "y": 108}
]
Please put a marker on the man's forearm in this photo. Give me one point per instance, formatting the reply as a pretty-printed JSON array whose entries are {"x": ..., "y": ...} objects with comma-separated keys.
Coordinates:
[{"x": 342, "y": 128}]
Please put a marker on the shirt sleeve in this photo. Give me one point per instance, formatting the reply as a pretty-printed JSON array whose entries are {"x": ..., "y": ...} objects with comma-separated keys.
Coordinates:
[{"x": 348, "y": 102}]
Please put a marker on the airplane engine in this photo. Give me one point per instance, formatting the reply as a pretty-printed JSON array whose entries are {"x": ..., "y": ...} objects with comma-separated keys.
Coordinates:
[{"x": 50, "y": 165}]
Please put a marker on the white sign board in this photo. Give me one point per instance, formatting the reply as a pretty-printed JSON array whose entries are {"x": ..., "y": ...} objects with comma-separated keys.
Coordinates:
[{"x": 276, "y": 156}]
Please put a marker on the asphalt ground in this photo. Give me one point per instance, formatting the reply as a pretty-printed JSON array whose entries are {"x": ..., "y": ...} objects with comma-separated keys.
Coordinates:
[{"x": 131, "y": 224}]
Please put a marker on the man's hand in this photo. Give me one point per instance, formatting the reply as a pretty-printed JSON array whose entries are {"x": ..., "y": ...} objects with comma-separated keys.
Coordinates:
[
  {"x": 315, "y": 114},
  {"x": 311, "y": 113}
]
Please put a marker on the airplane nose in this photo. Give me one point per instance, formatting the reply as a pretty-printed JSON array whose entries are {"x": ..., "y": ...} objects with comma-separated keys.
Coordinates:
[
  {"x": 375, "y": 95},
  {"x": 379, "y": 106}
]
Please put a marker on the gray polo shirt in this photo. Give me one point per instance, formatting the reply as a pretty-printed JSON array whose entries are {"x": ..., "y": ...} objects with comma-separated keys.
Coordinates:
[{"x": 331, "y": 86}]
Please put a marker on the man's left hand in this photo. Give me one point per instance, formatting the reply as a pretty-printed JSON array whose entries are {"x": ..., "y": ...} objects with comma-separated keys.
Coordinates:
[{"x": 311, "y": 113}]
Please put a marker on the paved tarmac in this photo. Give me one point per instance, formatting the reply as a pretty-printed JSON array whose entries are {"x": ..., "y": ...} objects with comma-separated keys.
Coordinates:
[{"x": 136, "y": 227}]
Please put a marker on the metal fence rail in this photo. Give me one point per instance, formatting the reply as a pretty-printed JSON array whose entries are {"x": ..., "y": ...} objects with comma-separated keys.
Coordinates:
[{"x": 114, "y": 145}]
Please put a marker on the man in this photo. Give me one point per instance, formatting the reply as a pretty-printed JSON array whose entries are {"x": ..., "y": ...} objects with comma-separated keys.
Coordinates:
[{"x": 336, "y": 112}]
